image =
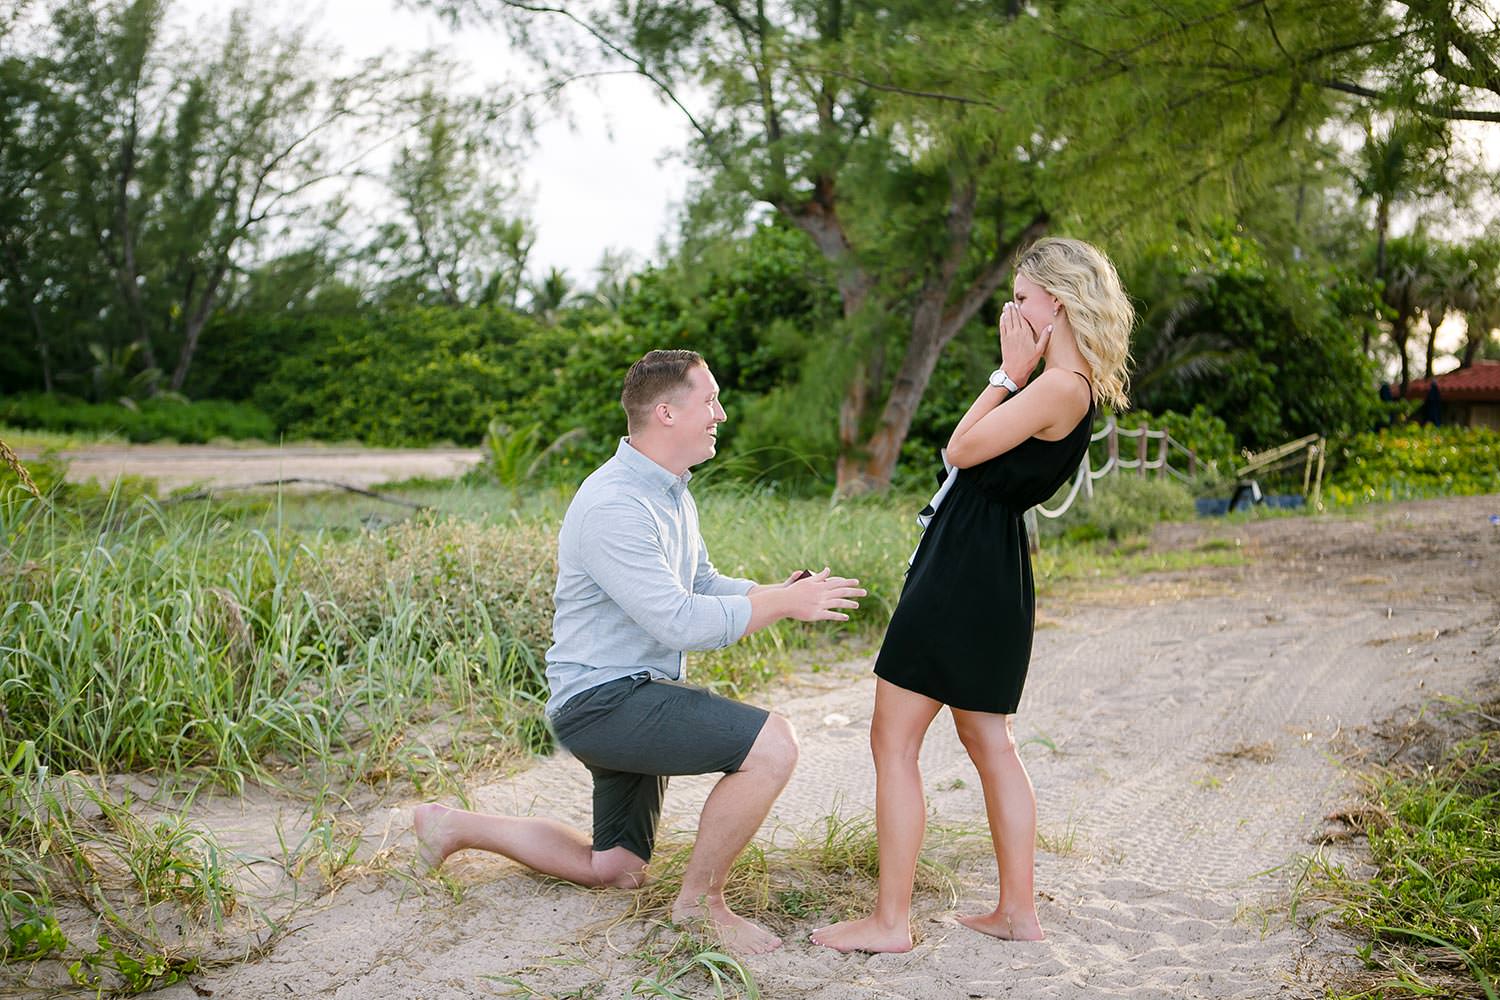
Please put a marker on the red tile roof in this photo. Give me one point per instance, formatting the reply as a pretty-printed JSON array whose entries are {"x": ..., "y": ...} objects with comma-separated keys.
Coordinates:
[{"x": 1479, "y": 383}]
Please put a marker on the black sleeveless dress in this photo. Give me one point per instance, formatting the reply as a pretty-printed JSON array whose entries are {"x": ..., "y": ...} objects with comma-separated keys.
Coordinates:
[{"x": 961, "y": 632}]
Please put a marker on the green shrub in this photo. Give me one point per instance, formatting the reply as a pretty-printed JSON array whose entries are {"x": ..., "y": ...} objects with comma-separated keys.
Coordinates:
[
  {"x": 566, "y": 381},
  {"x": 1200, "y": 431},
  {"x": 240, "y": 352},
  {"x": 1123, "y": 506},
  {"x": 1408, "y": 462},
  {"x": 782, "y": 438},
  {"x": 1289, "y": 335},
  {"x": 750, "y": 306},
  {"x": 399, "y": 377},
  {"x": 157, "y": 419}
]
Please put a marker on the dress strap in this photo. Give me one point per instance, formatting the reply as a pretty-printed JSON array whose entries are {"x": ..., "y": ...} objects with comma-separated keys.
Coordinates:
[{"x": 1089, "y": 382}]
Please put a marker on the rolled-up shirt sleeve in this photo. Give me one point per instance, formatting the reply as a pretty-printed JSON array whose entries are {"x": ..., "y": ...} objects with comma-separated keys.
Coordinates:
[
  {"x": 624, "y": 554},
  {"x": 708, "y": 580}
]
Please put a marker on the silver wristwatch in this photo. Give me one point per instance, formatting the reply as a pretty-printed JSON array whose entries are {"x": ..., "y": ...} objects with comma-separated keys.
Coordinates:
[{"x": 1000, "y": 380}]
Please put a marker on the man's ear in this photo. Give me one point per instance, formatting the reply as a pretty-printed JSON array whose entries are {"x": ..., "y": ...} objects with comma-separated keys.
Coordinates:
[{"x": 663, "y": 411}]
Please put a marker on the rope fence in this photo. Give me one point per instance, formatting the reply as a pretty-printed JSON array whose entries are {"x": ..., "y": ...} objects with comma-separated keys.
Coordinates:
[
  {"x": 1310, "y": 452},
  {"x": 1145, "y": 438}
]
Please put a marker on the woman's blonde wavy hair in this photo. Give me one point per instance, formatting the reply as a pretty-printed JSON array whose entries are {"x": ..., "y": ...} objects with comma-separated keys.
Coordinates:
[{"x": 1082, "y": 278}]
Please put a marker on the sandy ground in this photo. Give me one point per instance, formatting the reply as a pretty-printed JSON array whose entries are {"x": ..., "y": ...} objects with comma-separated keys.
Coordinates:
[
  {"x": 1184, "y": 732},
  {"x": 174, "y": 466}
]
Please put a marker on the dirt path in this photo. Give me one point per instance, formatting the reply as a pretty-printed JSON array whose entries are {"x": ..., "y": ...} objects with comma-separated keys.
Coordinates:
[
  {"x": 174, "y": 466},
  {"x": 1183, "y": 732}
]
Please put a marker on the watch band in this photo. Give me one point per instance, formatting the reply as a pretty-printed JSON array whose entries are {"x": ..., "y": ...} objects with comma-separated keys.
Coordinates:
[{"x": 1000, "y": 380}]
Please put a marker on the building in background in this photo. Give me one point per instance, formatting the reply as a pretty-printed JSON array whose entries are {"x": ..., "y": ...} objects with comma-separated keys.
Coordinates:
[{"x": 1468, "y": 397}]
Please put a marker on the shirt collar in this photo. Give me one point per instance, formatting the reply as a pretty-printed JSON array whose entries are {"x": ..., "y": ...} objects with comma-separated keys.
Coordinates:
[{"x": 646, "y": 469}]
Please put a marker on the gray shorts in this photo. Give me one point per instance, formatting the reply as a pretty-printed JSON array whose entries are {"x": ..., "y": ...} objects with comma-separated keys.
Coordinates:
[{"x": 633, "y": 732}]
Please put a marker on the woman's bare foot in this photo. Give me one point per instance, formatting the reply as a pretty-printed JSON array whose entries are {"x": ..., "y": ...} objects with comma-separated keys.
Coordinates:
[
  {"x": 738, "y": 935},
  {"x": 1006, "y": 927},
  {"x": 863, "y": 935},
  {"x": 434, "y": 841}
]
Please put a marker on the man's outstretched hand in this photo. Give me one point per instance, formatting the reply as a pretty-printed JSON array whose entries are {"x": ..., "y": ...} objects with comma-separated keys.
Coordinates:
[{"x": 823, "y": 597}]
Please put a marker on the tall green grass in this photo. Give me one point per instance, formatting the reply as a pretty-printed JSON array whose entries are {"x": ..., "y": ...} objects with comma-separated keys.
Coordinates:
[{"x": 185, "y": 640}]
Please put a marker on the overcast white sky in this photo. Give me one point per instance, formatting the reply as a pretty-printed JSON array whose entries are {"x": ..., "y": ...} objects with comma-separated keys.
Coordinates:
[{"x": 600, "y": 183}]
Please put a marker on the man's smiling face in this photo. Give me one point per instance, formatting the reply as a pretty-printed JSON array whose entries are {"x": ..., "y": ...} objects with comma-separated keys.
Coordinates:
[{"x": 697, "y": 414}]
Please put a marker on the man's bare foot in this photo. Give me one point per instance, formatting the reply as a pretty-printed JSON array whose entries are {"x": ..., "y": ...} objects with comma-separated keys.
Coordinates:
[
  {"x": 434, "y": 842},
  {"x": 738, "y": 935},
  {"x": 863, "y": 935},
  {"x": 1006, "y": 927}
]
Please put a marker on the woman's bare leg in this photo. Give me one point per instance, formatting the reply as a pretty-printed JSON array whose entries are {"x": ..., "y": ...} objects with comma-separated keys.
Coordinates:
[
  {"x": 901, "y": 720},
  {"x": 1010, "y": 803}
]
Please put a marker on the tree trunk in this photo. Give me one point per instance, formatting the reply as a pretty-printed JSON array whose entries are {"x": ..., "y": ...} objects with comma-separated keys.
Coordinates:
[
  {"x": 1382, "y": 223},
  {"x": 816, "y": 218},
  {"x": 1432, "y": 329},
  {"x": 827, "y": 232},
  {"x": 42, "y": 347},
  {"x": 1472, "y": 342},
  {"x": 869, "y": 464},
  {"x": 127, "y": 272},
  {"x": 1399, "y": 335},
  {"x": 194, "y": 327}
]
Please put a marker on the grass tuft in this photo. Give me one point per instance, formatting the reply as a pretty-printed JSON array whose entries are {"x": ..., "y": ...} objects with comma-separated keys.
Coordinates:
[
  {"x": 1428, "y": 913},
  {"x": 829, "y": 877},
  {"x": 689, "y": 967},
  {"x": 69, "y": 846}
]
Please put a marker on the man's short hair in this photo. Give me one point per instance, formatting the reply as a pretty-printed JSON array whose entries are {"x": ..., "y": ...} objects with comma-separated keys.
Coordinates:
[{"x": 654, "y": 378}]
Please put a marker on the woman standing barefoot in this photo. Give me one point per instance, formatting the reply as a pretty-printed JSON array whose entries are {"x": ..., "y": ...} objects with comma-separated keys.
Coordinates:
[{"x": 961, "y": 633}]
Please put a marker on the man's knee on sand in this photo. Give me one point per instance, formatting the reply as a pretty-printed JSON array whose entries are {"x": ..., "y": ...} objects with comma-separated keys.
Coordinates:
[
  {"x": 618, "y": 868},
  {"x": 775, "y": 749}
]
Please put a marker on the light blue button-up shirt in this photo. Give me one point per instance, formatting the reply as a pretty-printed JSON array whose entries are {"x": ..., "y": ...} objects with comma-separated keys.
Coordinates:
[{"x": 635, "y": 588}]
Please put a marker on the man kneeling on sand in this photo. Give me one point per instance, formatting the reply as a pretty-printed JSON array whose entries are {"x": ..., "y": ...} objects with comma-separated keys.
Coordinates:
[{"x": 635, "y": 589}]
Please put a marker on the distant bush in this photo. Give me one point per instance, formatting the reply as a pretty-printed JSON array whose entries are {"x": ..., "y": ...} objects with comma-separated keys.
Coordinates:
[
  {"x": 1289, "y": 336},
  {"x": 149, "y": 420},
  {"x": 566, "y": 381},
  {"x": 1201, "y": 432},
  {"x": 397, "y": 377},
  {"x": 751, "y": 307},
  {"x": 1122, "y": 506},
  {"x": 241, "y": 351},
  {"x": 1409, "y": 462},
  {"x": 764, "y": 311}
]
